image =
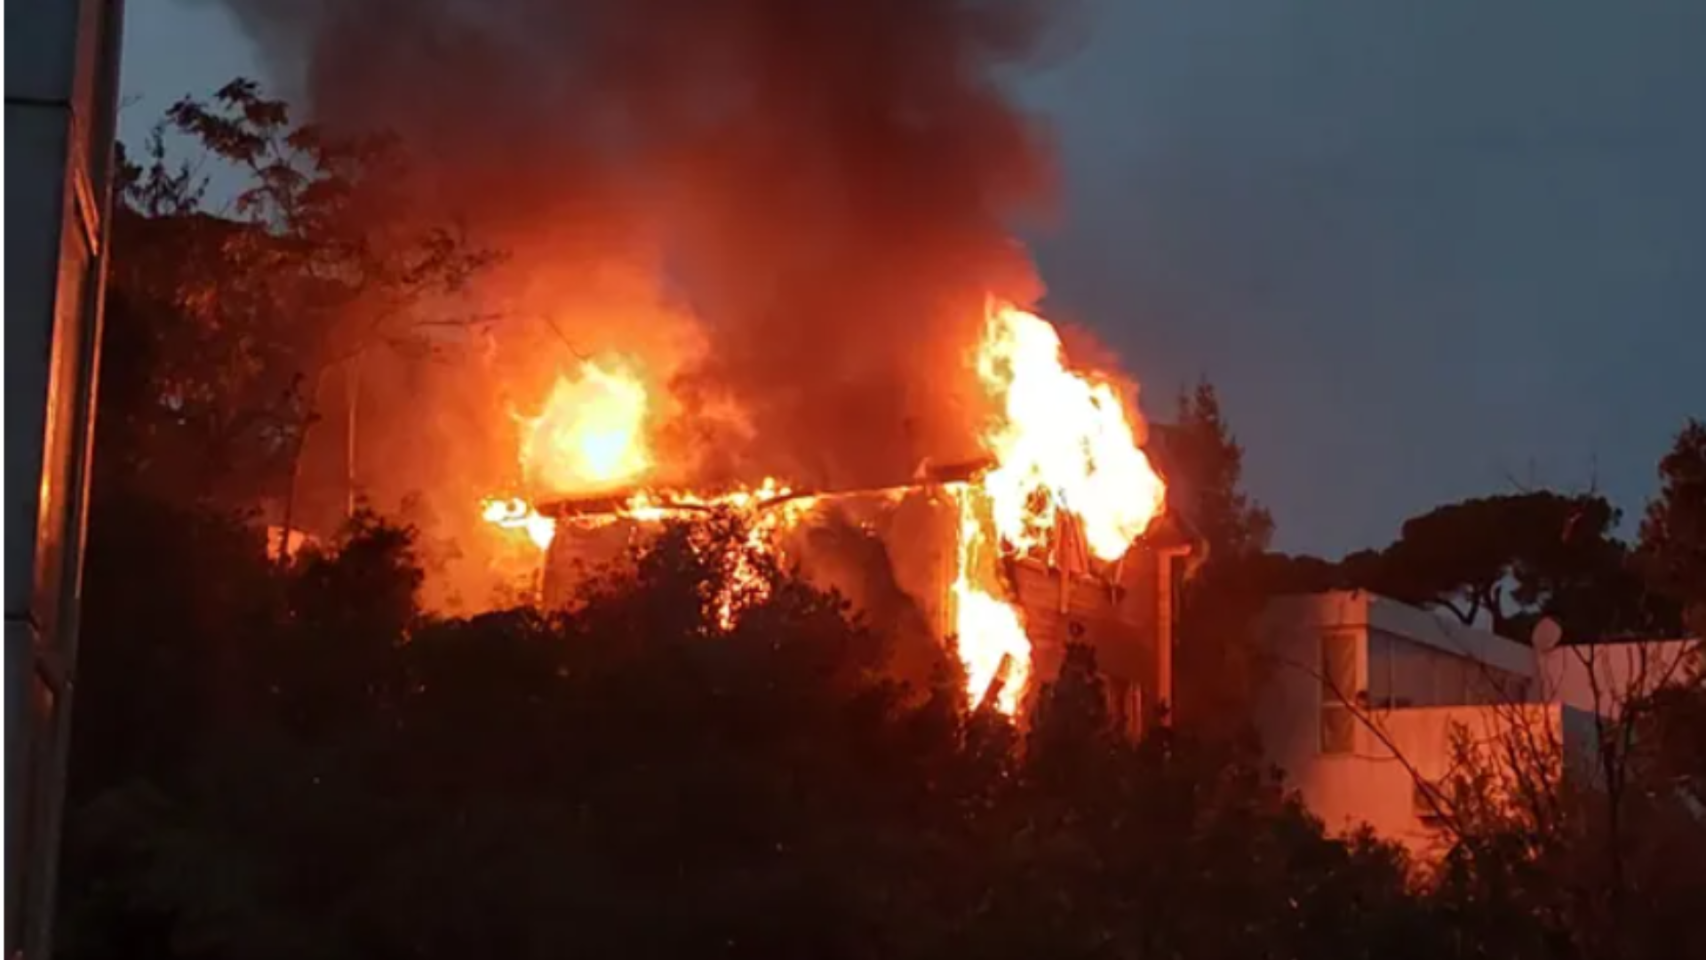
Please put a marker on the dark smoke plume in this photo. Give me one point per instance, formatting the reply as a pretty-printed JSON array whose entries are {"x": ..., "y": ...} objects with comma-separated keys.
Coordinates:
[{"x": 828, "y": 183}]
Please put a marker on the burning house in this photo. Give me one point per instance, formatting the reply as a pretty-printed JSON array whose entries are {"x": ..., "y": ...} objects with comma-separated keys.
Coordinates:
[
  {"x": 1056, "y": 536},
  {"x": 760, "y": 258},
  {"x": 1124, "y": 610}
]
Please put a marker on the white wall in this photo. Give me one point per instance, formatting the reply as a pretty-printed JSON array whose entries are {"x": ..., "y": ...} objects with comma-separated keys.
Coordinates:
[
  {"x": 1372, "y": 785},
  {"x": 1368, "y": 782},
  {"x": 1602, "y": 678}
]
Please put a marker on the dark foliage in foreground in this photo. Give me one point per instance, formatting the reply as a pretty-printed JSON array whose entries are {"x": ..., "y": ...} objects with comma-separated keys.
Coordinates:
[
  {"x": 297, "y": 763},
  {"x": 294, "y": 760}
]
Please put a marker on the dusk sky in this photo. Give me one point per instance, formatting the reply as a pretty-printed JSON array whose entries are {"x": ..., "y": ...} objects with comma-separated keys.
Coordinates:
[{"x": 1425, "y": 250}]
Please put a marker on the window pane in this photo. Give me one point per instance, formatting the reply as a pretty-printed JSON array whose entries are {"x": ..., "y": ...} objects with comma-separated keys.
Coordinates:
[
  {"x": 1412, "y": 674},
  {"x": 1338, "y": 667},
  {"x": 1452, "y": 680},
  {"x": 1485, "y": 683},
  {"x": 1338, "y": 730},
  {"x": 1380, "y": 670}
]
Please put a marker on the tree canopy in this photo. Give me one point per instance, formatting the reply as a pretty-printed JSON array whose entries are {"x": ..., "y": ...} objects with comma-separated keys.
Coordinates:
[
  {"x": 1204, "y": 467},
  {"x": 1672, "y": 549},
  {"x": 631, "y": 775},
  {"x": 230, "y": 317},
  {"x": 1502, "y": 562}
]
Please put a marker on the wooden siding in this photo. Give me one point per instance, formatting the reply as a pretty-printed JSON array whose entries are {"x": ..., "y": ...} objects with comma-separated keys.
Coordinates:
[{"x": 1118, "y": 618}]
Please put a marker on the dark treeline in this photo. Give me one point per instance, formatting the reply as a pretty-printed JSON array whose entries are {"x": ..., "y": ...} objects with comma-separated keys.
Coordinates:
[
  {"x": 296, "y": 759},
  {"x": 299, "y": 764}
]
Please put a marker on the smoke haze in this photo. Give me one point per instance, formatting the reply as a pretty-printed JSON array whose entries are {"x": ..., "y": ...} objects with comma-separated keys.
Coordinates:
[{"x": 825, "y": 187}]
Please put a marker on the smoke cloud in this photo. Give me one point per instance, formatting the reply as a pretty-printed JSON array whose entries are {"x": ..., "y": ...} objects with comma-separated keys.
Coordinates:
[{"x": 825, "y": 187}]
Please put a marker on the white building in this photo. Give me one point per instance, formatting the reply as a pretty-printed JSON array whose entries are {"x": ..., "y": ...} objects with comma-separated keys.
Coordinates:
[{"x": 1367, "y": 694}]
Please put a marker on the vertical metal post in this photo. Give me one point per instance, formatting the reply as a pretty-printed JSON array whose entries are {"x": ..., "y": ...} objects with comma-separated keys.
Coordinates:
[{"x": 62, "y": 70}]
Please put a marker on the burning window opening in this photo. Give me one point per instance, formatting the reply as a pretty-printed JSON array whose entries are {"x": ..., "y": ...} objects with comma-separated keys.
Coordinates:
[{"x": 1064, "y": 486}]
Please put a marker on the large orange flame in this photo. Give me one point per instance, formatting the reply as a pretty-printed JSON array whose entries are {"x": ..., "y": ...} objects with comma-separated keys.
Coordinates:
[
  {"x": 989, "y": 631},
  {"x": 1062, "y": 443},
  {"x": 1063, "y": 446},
  {"x": 590, "y": 435}
]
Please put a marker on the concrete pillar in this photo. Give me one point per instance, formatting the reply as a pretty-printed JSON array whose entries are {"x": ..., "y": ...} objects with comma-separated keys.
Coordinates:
[{"x": 61, "y": 101}]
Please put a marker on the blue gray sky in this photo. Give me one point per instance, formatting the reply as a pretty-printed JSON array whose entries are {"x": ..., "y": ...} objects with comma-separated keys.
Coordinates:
[{"x": 1424, "y": 250}]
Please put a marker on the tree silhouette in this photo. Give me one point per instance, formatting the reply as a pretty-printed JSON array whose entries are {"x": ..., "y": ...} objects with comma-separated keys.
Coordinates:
[
  {"x": 1204, "y": 467},
  {"x": 1673, "y": 531},
  {"x": 231, "y": 321},
  {"x": 636, "y": 774},
  {"x": 1218, "y": 661}
]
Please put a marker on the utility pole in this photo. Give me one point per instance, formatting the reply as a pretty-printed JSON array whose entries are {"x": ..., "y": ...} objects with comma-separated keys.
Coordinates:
[{"x": 62, "y": 72}]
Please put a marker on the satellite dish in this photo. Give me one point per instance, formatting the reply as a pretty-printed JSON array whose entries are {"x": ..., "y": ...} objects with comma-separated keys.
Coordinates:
[{"x": 1546, "y": 635}]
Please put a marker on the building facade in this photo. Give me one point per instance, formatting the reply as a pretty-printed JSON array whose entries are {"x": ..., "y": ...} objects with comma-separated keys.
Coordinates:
[{"x": 1370, "y": 702}]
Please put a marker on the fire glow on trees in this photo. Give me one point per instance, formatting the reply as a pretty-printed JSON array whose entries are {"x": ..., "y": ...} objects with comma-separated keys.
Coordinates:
[{"x": 1062, "y": 448}]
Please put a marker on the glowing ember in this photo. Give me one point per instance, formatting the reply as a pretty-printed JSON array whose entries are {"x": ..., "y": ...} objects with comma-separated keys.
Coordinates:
[
  {"x": 666, "y": 505},
  {"x": 990, "y": 631},
  {"x": 1063, "y": 443},
  {"x": 517, "y": 514},
  {"x": 591, "y": 434}
]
